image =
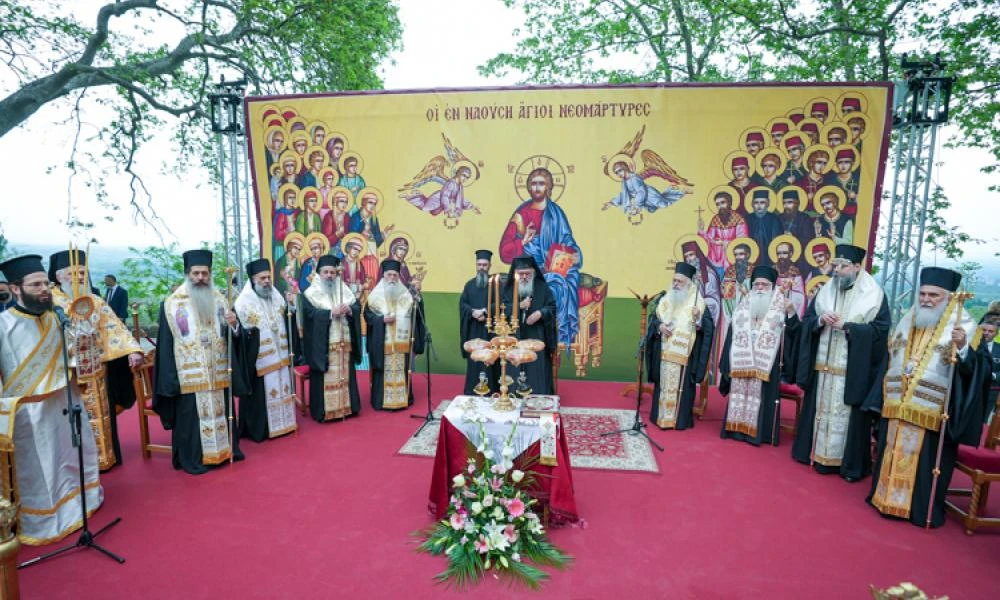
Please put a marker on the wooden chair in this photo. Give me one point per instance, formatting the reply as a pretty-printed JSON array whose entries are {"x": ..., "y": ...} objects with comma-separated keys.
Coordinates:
[
  {"x": 792, "y": 392},
  {"x": 302, "y": 388},
  {"x": 982, "y": 465},
  {"x": 142, "y": 382}
]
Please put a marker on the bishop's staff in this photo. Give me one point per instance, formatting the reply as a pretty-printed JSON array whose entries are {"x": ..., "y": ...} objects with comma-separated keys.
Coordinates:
[
  {"x": 230, "y": 270},
  {"x": 960, "y": 298},
  {"x": 289, "y": 313},
  {"x": 781, "y": 364}
]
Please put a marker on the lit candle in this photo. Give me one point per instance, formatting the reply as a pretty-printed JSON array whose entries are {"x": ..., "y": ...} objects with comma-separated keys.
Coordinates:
[
  {"x": 514, "y": 300},
  {"x": 489, "y": 299},
  {"x": 499, "y": 300}
]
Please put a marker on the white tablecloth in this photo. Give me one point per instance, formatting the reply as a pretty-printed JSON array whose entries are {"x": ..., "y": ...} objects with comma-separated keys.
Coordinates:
[{"x": 466, "y": 412}]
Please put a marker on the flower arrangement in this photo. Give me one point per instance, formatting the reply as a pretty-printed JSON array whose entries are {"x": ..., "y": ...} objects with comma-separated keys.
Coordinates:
[{"x": 491, "y": 527}]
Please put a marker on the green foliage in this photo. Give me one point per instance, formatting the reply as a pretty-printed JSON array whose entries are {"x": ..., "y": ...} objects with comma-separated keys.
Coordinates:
[
  {"x": 146, "y": 64},
  {"x": 153, "y": 273},
  {"x": 942, "y": 237},
  {"x": 764, "y": 40},
  {"x": 5, "y": 249}
]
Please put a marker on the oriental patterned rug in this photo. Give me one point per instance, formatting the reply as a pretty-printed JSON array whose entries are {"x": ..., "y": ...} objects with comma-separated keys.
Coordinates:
[{"x": 588, "y": 449}]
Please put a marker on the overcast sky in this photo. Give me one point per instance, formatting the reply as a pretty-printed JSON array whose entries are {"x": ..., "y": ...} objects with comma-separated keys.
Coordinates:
[{"x": 442, "y": 48}]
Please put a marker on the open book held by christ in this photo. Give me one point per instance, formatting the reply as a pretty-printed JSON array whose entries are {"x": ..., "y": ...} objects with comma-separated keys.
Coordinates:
[{"x": 560, "y": 259}]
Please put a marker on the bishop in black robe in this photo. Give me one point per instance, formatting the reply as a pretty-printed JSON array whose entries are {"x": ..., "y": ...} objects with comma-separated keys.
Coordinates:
[
  {"x": 472, "y": 313},
  {"x": 538, "y": 373}
]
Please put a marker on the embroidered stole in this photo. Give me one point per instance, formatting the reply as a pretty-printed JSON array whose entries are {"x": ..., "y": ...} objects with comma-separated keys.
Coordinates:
[
  {"x": 272, "y": 356},
  {"x": 751, "y": 355},
  {"x": 914, "y": 390},
  {"x": 396, "y": 346},
  {"x": 202, "y": 368},
  {"x": 336, "y": 380},
  {"x": 674, "y": 352},
  {"x": 860, "y": 304}
]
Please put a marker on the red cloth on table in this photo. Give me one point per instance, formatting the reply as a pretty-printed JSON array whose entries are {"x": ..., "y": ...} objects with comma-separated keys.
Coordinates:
[{"x": 452, "y": 458}]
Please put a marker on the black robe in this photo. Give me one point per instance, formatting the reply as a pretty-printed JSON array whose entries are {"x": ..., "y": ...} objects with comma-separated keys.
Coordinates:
[
  {"x": 769, "y": 415},
  {"x": 539, "y": 372},
  {"x": 474, "y": 298},
  {"x": 179, "y": 412},
  {"x": 693, "y": 375},
  {"x": 121, "y": 393},
  {"x": 316, "y": 330},
  {"x": 967, "y": 411},
  {"x": 375, "y": 344},
  {"x": 867, "y": 359}
]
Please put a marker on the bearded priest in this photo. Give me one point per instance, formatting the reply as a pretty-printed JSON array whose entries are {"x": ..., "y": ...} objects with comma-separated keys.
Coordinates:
[
  {"x": 114, "y": 340},
  {"x": 537, "y": 316},
  {"x": 267, "y": 410},
  {"x": 931, "y": 365},
  {"x": 842, "y": 358},
  {"x": 472, "y": 324},
  {"x": 751, "y": 360},
  {"x": 677, "y": 346},
  {"x": 192, "y": 381},
  {"x": 395, "y": 333},
  {"x": 332, "y": 326},
  {"x": 35, "y": 434}
]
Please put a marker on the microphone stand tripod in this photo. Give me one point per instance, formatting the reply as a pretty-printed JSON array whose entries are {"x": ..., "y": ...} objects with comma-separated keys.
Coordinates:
[
  {"x": 75, "y": 411},
  {"x": 638, "y": 425},
  {"x": 428, "y": 350}
]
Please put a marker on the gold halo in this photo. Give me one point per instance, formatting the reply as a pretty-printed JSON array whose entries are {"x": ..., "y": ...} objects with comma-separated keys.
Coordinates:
[
  {"x": 803, "y": 197},
  {"x": 473, "y": 169},
  {"x": 267, "y": 107},
  {"x": 294, "y": 236},
  {"x": 831, "y": 108},
  {"x": 362, "y": 240},
  {"x": 293, "y": 155},
  {"x": 371, "y": 190},
  {"x": 743, "y": 137},
  {"x": 346, "y": 155},
  {"x": 298, "y": 195},
  {"x": 825, "y": 241},
  {"x": 727, "y": 163},
  {"x": 824, "y": 132},
  {"x": 312, "y": 129},
  {"x": 691, "y": 237},
  {"x": 854, "y": 151},
  {"x": 294, "y": 137},
  {"x": 288, "y": 110},
  {"x": 270, "y": 131},
  {"x": 306, "y": 190},
  {"x": 81, "y": 308},
  {"x": 336, "y": 134},
  {"x": 275, "y": 169},
  {"x": 863, "y": 117},
  {"x": 772, "y": 199},
  {"x": 337, "y": 189},
  {"x": 795, "y": 111},
  {"x": 819, "y": 279},
  {"x": 845, "y": 96},
  {"x": 290, "y": 126},
  {"x": 710, "y": 199},
  {"x": 316, "y": 235},
  {"x": 327, "y": 171},
  {"x": 775, "y": 121},
  {"x": 836, "y": 190},
  {"x": 772, "y": 249},
  {"x": 768, "y": 151},
  {"x": 814, "y": 150},
  {"x": 620, "y": 157},
  {"x": 383, "y": 252},
  {"x": 314, "y": 149},
  {"x": 750, "y": 242},
  {"x": 803, "y": 134},
  {"x": 539, "y": 161}
]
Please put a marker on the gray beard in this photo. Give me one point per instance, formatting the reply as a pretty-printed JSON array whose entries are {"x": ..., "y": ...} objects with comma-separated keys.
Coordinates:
[
  {"x": 202, "y": 301},
  {"x": 262, "y": 291},
  {"x": 695, "y": 262},
  {"x": 846, "y": 282},
  {"x": 393, "y": 291},
  {"x": 481, "y": 279},
  {"x": 676, "y": 297},
  {"x": 928, "y": 317},
  {"x": 759, "y": 303},
  {"x": 67, "y": 288},
  {"x": 329, "y": 288},
  {"x": 524, "y": 290}
]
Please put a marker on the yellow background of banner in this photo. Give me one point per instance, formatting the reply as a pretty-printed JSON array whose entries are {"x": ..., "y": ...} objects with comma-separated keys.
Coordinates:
[{"x": 692, "y": 128}]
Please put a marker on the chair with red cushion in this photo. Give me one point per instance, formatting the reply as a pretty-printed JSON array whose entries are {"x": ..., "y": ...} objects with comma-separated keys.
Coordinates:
[
  {"x": 790, "y": 391},
  {"x": 302, "y": 388},
  {"x": 142, "y": 383},
  {"x": 982, "y": 465}
]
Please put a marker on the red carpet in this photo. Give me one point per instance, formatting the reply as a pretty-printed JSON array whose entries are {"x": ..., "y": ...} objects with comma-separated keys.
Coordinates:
[{"x": 327, "y": 514}]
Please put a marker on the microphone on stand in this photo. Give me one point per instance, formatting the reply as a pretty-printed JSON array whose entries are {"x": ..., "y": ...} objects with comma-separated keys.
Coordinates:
[{"x": 61, "y": 315}]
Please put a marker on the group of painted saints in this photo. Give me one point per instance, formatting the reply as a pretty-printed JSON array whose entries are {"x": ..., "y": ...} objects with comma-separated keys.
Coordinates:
[
  {"x": 206, "y": 355},
  {"x": 920, "y": 389}
]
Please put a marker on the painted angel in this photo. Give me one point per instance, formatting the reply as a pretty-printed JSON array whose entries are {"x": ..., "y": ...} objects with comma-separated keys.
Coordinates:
[
  {"x": 450, "y": 197},
  {"x": 636, "y": 195}
]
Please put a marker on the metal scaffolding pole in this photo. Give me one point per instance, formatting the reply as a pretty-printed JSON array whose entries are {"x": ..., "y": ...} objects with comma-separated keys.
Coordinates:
[
  {"x": 925, "y": 108},
  {"x": 226, "y": 109}
]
